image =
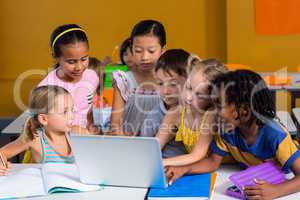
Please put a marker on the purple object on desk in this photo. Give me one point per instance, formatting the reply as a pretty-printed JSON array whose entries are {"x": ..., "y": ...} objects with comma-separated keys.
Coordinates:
[{"x": 268, "y": 172}]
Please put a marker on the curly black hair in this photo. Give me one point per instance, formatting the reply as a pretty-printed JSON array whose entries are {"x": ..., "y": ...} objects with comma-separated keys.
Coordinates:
[{"x": 246, "y": 88}]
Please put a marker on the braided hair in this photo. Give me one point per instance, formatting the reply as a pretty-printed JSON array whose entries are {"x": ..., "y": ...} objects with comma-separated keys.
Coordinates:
[{"x": 247, "y": 88}]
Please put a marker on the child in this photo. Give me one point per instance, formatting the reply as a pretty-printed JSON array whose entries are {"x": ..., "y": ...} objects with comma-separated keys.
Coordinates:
[
  {"x": 134, "y": 92},
  {"x": 196, "y": 121},
  {"x": 126, "y": 56},
  {"x": 99, "y": 101},
  {"x": 245, "y": 104},
  {"x": 45, "y": 132},
  {"x": 170, "y": 73},
  {"x": 96, "y": 65},
  {"x": 70, "y": 47}
]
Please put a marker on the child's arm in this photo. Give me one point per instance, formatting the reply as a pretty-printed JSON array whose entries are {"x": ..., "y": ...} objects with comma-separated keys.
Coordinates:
[
  {"x": 199, "y": 150},
  {"x": 14, "y": 148},
  {"x": 198, "y": 153},
  {"x": 90, "y": 124},
  {"x": 209, "y": 164},
  {"x": 166, "y": 130},
  {"x": 263, "y": 190},
  {"x": 118, "y": 106},
  {"x": 10, "y": 150}
]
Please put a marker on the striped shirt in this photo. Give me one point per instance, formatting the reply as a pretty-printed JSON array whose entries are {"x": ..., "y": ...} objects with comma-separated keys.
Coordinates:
[
  {"x": 49, "y": 155},
  {"x": 273, "y": 142}
]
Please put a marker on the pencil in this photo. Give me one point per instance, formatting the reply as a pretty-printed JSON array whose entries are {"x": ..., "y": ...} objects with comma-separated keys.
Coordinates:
[{"x": 2, "y": 160}]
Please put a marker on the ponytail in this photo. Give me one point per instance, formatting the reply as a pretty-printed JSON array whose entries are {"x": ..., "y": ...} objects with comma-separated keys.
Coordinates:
[
  {"x": 30, "y": 128},
  {"x": 192, "y": 62}
]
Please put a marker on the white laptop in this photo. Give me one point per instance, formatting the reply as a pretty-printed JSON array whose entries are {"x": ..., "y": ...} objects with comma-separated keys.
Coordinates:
[{"x": 119, "y": 161}]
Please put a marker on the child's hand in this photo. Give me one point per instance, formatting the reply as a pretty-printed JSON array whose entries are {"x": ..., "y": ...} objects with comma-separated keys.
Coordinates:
[
  {"x": 261, "y": 191},
  {"x": 4, "y": 165},
  {"x": 93, "y": 130},
  {"x": 110, "y": 133},
  {"x": 173, "y": 173},
  {"x": 130, "y": 133}
]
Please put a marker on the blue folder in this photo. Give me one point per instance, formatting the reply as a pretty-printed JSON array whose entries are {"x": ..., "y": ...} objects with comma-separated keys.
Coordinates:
[{"x": 197, "y": 185}]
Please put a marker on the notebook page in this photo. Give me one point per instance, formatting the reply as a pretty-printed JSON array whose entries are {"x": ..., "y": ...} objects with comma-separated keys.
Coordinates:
[
  {"x": 60, "y": 177},
  {"x": 24, "y": 183}
]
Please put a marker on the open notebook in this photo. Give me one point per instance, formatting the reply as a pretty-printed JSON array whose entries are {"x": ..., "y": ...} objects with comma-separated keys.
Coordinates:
[{"x": 51, "y": 178}]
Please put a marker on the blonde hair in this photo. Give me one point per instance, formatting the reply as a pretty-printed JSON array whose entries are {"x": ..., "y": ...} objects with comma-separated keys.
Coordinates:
[
  {"x": 41, "y": 101},
  {"x": 211, "y": 68},
  {"x": 194, "y": 61}
]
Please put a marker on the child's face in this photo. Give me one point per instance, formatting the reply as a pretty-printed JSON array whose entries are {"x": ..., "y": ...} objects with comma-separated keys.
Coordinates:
[
  {"x": 196, "y": 93},
  {"x": 146, "y": 51},
  {"x": 170, "y": 85},
  {"x": 229, "y": 116},
  {"x": 59, "y": 118},
  {"x": 227, "y": 112},
  {"x": 73, "y": 60},
  {"x": 128, "y": 58}
]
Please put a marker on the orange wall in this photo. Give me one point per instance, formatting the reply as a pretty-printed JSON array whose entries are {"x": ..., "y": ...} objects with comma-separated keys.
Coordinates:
[
  {"x": 263, "y": 53},
  {"x": 210, "y": 28},
  {"x": 195, "y": 25}
]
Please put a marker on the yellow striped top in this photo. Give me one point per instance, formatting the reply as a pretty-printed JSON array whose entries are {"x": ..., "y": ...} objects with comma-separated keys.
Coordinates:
[{"x": 187, "y": 136}]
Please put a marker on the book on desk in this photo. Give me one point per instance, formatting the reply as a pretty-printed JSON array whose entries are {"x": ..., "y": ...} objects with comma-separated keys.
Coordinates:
[{"x": 50, "y": 178}]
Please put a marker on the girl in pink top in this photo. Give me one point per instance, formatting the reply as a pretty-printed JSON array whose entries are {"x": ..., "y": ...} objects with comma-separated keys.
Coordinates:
[{"x": 70, "y": 47}]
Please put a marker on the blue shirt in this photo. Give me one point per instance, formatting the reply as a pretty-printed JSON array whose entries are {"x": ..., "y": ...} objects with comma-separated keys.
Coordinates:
[{"x": 273, "y": 142}]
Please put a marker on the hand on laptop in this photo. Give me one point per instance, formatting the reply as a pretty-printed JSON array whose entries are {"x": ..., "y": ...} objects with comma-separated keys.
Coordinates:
[{"x": 110, "y": 133}]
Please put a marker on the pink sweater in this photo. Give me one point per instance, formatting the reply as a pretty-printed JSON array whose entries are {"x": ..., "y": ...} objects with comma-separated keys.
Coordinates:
[{"x": 82, "y": 92}]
